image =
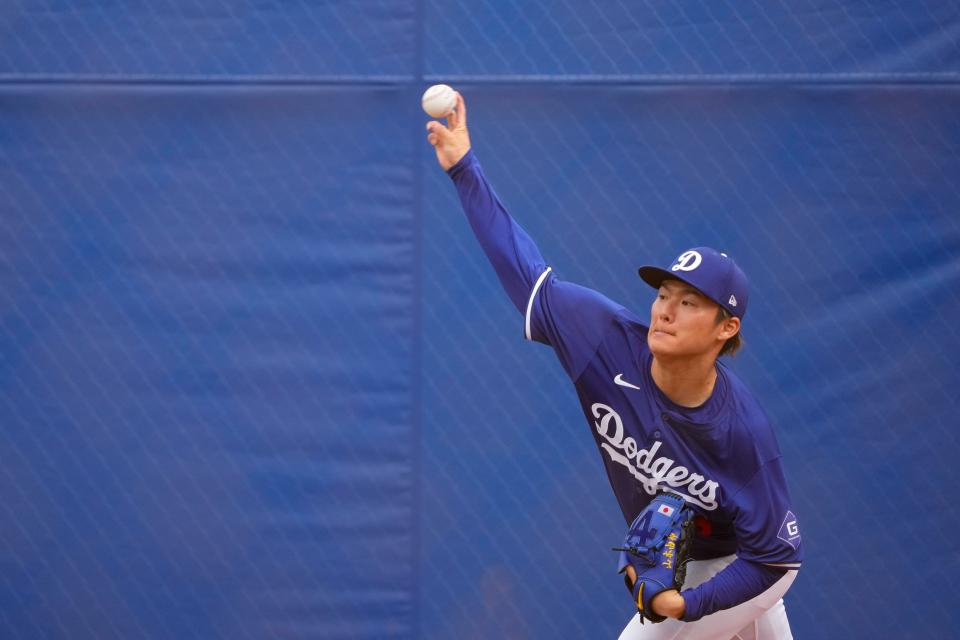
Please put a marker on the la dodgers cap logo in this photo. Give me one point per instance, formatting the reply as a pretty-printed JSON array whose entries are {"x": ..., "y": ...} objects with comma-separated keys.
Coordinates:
[{"x": 712, "y": 273}]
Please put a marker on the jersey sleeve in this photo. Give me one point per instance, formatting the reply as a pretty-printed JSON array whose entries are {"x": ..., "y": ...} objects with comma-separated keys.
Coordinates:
[
  {"x": 740, "y": 581},
  {"x": 512, "y": 253},
  {"x": 766, "y": 526},
  {"x": 568, "y": 317}
]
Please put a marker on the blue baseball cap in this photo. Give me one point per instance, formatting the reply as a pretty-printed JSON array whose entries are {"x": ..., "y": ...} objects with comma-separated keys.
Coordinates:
[{"x": 712, "y": 273}]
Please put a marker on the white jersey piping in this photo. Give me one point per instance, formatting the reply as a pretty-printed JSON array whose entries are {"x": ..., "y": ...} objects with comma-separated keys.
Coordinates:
[{"x": 533, "y": 294}]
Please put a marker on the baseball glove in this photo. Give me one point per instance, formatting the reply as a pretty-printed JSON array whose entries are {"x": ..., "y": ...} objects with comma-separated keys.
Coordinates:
[{"x": 658, "y": 547}]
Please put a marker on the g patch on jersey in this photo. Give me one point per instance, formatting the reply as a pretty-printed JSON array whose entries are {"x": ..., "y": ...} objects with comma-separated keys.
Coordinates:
[{"x": 790, "y": 530}]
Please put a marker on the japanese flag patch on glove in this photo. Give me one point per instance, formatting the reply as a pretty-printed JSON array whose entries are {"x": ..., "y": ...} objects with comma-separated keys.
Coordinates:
[{"x": 657, "y": 546}]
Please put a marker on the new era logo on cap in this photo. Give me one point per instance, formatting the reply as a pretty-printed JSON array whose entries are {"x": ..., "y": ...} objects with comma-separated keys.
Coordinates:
[{"x": 732, "y": 301}]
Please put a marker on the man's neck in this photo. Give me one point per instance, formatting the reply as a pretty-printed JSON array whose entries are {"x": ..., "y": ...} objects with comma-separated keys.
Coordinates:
[{"x": 687, "y": 382}]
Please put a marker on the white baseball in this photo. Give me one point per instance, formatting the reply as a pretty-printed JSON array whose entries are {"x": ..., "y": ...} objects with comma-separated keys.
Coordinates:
[{"x": 439, "y": 100}]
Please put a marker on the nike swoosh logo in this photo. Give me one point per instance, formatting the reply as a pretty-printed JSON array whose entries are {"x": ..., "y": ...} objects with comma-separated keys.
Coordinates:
[{"x": 623, "y": 383}]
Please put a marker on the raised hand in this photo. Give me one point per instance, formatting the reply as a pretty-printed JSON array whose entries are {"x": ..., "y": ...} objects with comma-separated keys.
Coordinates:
[{"x": 452, "y": 141}]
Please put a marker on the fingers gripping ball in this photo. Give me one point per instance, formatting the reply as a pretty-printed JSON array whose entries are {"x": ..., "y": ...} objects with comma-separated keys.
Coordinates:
[
  {"x": 657, "y": 546},
  {"x": 439, "y": 100}
]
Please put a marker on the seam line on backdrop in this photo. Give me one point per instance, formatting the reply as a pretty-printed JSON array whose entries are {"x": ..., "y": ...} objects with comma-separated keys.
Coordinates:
[
  {"x": 138, "y": 79},
  {"x": 920, "y": 77},
  {"x": 930, "y": 78},
  {"x": 419, "y": 213}
]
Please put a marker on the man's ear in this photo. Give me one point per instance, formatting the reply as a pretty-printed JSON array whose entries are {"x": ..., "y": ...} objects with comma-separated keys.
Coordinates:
[{"x": 730, "y": 327}]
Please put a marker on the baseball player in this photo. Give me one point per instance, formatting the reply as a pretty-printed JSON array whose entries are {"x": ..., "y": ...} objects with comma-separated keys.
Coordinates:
[{"x": 665, "y": 413}]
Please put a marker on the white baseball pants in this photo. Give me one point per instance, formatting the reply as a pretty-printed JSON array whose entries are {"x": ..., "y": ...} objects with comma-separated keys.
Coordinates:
[{"x": 761, "y": 618}]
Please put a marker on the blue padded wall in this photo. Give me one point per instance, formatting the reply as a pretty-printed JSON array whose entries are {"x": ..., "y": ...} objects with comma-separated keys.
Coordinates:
[
  {"x": 257, "y": 379},
  {"x": 190, "y": 39},
  {"x": 207, "y": 363},
  {"x": 837, "y": 201},
  {"x": 687, "y": 39}
]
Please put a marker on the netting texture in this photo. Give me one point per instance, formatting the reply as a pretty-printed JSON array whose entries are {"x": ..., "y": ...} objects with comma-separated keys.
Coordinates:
[{"x": 258, "y": 380}]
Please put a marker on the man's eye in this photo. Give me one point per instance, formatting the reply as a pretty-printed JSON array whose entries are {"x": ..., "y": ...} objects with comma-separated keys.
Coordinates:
[{"x": 688, "y": 303}]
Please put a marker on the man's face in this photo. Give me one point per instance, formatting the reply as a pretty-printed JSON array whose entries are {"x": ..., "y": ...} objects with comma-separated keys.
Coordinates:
[{"x": 683, "y": 322}]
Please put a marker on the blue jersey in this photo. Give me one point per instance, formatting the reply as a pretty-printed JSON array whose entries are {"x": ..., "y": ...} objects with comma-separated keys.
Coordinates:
[{"x": 722, "y": 457}]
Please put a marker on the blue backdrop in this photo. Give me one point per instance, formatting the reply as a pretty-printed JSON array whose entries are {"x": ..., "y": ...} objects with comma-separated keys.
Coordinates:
[{"x": 257, "y": 379}]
